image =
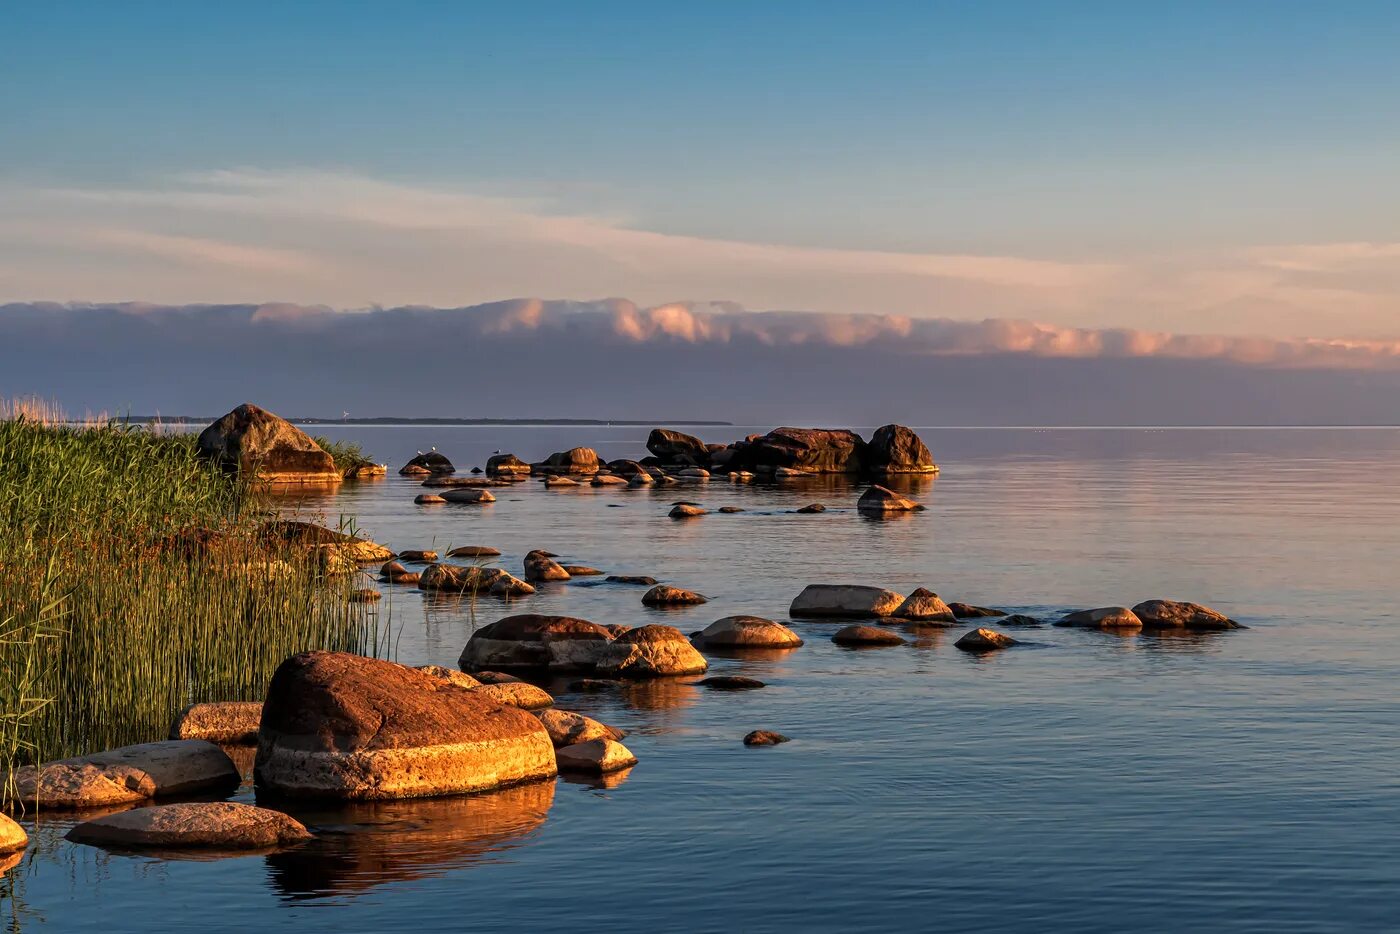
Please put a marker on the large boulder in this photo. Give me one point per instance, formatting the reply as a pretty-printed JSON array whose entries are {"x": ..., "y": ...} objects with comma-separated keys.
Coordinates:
[
  {"x": 810, "y": 450},
  {"x": 12, "y": 836},
  {"x": 879, "y": 500},
  {"x": 574, "y": 460},
  {"x": 337, "y": 725},
  {"x": 652, "y": 651},
  {"x": 505, "y": 465},
  {"x": 1173, "y": 614},
  {"x": 127, "y": 775},
  {"x": 748, "y": 632},
  {"x": 677, "y": 447},
  {"x": 426, "y": 465},
  {"x": 535, "y": 641},
  {"x": 352, "y": 548},
  {"x": 896, "y": 449},
  {"x": 1107, "y": 617},
  {"x": 925, "y": 606},
  {"x": 221, "y": 825},
  {"x": 256, "y": 443},
  {"x": 219, "y": 722},
  {"x": 851, "y": 600},
  {"x": 541, "y": 566}
]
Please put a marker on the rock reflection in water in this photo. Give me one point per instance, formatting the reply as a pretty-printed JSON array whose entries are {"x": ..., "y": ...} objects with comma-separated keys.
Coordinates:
[
  {"x": 601, "y": 782},
  {"x": 362, "y": 845}
]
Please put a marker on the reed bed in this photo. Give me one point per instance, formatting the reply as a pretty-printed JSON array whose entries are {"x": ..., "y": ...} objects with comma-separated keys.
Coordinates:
[{"x": 134, "y": 580}]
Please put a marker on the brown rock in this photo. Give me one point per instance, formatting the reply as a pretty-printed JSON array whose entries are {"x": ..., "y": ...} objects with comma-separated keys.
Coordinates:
[
  {"x": 468, "y": 495},
  {"x": 520, "y": 694},
  {"x": 651, "y": 651},
  {"x": 342, "y": 726},
  {"x": 429, "y": 464},
  {"x": 253, "y": 441},
  {"x": 581, "y": 570},
  {"x": 473, "y": 551},
  {"x": 558, "y": 481},
  {"x": 925, "y": 606},
  {"x": 676, "y": 447},
  {"x": 867, "y": 635},
  {"x": 984, "y": 640},
  {"x": 730, "y": 683},
  {"x": 417, "y": 555},
  {"x": 452, "y": 675},
  {"x": 845, "y": 600},
  {"x": 428, "y": 499},
  {"x": 748, "y": 632},
  {"x": 365, "y": 595},
  {"x": 574, "y": 460},
  {"x": 764, "y": 738},
  {"x": 595, "y": 757},
  {"x": 968, "y": 611},
  {"x": 1172, "y": 614},
  {"x": 879, "y": 499},
  {"x": 128, "y": 774},
  {"x": 609, "y": 479},
  {"x": 895, "y": 449},
  {"x": 567, "y": 728},
  {"x": 810, "y": 508},
  {"x": 685, "y": 511},
  {"x": 535, "y": 641},
  {"x": 665, "y": 595},
  {"x": 219, "y": 722},
  {"x": 505, "y": 465},
  {"x": 634, "y": 580},
  {"x": 496, "y": 677},
  {"x": 308, "y": 534},
  {"x": 812, "y": 450},
  {"x": 455, "y": 578},
  {"x": 12, "y": 837},
  {"x": 539, "y": 566},
  {"x": 222, "y": 825},
  {"x": 1108, "y": 617}
]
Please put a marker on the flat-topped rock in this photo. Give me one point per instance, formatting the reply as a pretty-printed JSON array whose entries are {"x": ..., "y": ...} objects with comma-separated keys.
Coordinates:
[
  {"x": 651, "y": 651},
  {"x": 730, "y": 683},
  {"x": 848, "y": 600},
  {"x": 473, "y": 551},
  {"x": 343, "y": 726},
  {"x": 867, "y": 635},
  {"x": 128, "y": 774},
  {"x": 609, "y": 479},
  {"x": 984, "y": 640},
  {"x": 748, "y": 632},
  {"x": 686, "y": 511},
  {"x": 1107, "y": 617},
  {"x": 1174, "y": 614},
  {"x": 12, "y": 836},
  {"x": 666, "y": 595},
  {"x": 879, "y": 499},
  {"x": 581, "y": 570},
  {"x": 452, "y": 675},
  {"x": 520, "y": 694},
  {"x": 535, "y": 641},
  {"x": 222, "y": 825},
  {"x": 968, "y": 611},
  {"x": 635, "y": 580},
  {"x": 567, "y": 728},
  {"x": 429, "y": 464},
  {"x": 596, "y": 757},
  {"x": 470, "y": 496},
  {"x": 925, "y": 606},
  {"x": 421, "y": 555},
  {"x": 255, "y": 443},
  {"x": 505, "y": 465},
  {"x": 228, "y": 722}
]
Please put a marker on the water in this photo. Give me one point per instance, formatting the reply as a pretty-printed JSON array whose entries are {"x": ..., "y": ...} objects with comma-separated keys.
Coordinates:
[{"x": 1247, "y": 780}]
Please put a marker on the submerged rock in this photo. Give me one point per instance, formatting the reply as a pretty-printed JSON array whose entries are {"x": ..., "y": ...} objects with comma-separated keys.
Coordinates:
[
  {"x": 666, "y": 595},
  {"x": 219, "y": 722},
  {"x": 1172, "y": 614},
  {"x": 1020, "y": 620},
  {"x": 255, "y": 443},
  {"x": 594, "y": 685},
  {"x": 541, "y": 566},
  {"x": 765, "y": 738},
  {"x": 567, "y": 728},
  {"x": 652, "y": 651},
  {"x": 984, "y": 640},
  {"x": 342, "y": 726},
  {"x": 596, "y": 757},
  {"x": 748, "y": 632},
  {"x": 685, "y": 511},
  {"x": 968, "y": 611},
  {"x": 429, "y": 464},
  {"x": 879, "y": 499},
  {"x": 221, "y": 825},
  {"x": 12, "y": 836},
  {"x": 730, "y": 683},
  {"x": 632, "y": 579},
  {"x": 925, "y": 606},
  {"x": 127, "y": 775},
  {"x": 731, "y": 509},
  {"x": 1108, "y": 617},
  {"x": 867, "y": 635},
  {"x": 845, "y": 600},
  {"x": 559, "y": 481},
  {"x": 811, "y": 508}
]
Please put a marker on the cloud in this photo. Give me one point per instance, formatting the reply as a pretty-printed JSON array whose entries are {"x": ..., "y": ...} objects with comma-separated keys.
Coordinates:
[{"x": 304, "y": 236}]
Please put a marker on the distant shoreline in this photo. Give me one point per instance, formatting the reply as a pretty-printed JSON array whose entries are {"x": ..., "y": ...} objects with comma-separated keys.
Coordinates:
[{"x": 392, "y": 420}]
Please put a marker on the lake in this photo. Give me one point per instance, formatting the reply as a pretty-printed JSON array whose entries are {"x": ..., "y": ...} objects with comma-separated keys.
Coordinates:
[{"x": 1243, "y": 781}]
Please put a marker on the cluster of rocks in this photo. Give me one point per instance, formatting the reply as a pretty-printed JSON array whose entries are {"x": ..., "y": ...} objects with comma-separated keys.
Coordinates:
[{"x": 540, "y": 643}]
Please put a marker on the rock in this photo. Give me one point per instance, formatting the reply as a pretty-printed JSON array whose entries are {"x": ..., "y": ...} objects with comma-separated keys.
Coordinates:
[
  {"x": 539, "y": 566},
  {"x": 925, "y": 606},
  {"x": 228, "y": 722},
  {"x": 731, "y": 509},
  {"x": 608, "y": 479},
  {"x": 452, "y": 675},
  {"x": 895, "y": 449},
  {"x": 535, "y": 641},
  {"x": 676, "y": 447},
  {"x": 626, "y": 468},
  {"x": 867, "y": 635},
  {"x": 254, "y": 442},
  {"x": 1020, "y": 620},
  {"x": 428, "y": 499},
  {"x": 640, "y": 479},
  {"x": 366, "y": 472},
  {"x": 968, "y": 611},
  {"x": 350, "y": 547},
  {"x": 390, "y": 569},
  {"x": 764, "y": 738},
  {"x": 845, "y": 600},
  {"x": 730, "y": 683},
  {"x": 473, "y": 551},
  {"x": 596, "y": 757},
  {"x": 418, "y": 555},
  {"x": 407, "y": 577},
  {"x": 1108, "y": 617},
  {"x": 517, "y": 694},
  {"x": 496, "y": 677},
  {"x": 811, "y": 508},
  {"x": 472, "y": 580},
  {"x": 1171, "y": 614},
  {"x": 693, "y": 473},
  {"x": 429, "y": 464},
  {"x": 343, "y": 726},
  {"x": 468, "y": 495},
  {"x": 984, "y": 640},
  {"x": 740, "y": 476},
  {"x": 221, "y": 825},
  {"x": 748, "y": 632},
  {"x": 685, "y": 511},
  {"x": 813, "y": 450},
  {"x": 878, "y": 499},
  {"x": 651, "y": 651},
  {"x": 594, "y": 685},
  {"x": 581, "y": 570},
  {"x": 505, "y": 465},
  {"x": 476, "y": 470},
  {"x": 574, "y": 460},
  {"x": 666, "y": 595},
  {"x": 617, "y": 629},
  {"x": 550, "y": 482},
  {"x": 454, "y": 482},
  {"x": 128, "y": 774},
  {"x": 12, "y": 837},
  {"x": 567, "y": 728},
  {"x": 633, "y": 579},
  {"x": 365, "y": 595},
  {"x": 788, "y": 473}
]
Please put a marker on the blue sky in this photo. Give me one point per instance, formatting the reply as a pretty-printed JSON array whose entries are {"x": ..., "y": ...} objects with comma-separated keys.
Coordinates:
[{"x": 1087, "y": 133}]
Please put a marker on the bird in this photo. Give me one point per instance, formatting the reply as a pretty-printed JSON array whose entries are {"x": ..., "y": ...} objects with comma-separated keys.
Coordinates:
[
  {"x": 434, "y": 450},
  {"x": 420, "y": 453}
]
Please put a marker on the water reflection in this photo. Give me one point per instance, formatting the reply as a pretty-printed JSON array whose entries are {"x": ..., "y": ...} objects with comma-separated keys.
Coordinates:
[
  {"x": 601, "y": 782},
  {"x": 360, "y": 846}
]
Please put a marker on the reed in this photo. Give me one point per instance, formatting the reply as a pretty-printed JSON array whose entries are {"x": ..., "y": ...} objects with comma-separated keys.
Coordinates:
[
  {"x": 348, "y": 455},
  {"x": 134, "y": 580}
]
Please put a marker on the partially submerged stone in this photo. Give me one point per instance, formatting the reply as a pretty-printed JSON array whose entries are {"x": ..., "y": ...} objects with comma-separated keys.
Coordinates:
[
  {"x": 1019, "y": 619},
  {"x": 255, "y": 443},
  {"x": 867, "y": 635},
  {"x": 595, "y": 757},
  {"x": 652, "y": 651},
  {"x": 686, "y": 511},
  {"x": 455, "y": 578},
  {"x": 925, "y": 606},
  {"x": 731, "y": 509},
  {"x": 575, "y": 461},
  {"x": 581, "y": 570},
  {"x": 634, "y": 580},
  {"x": 343, "y": 726},
  {"x": 507, "y": 465},
  {"x": 535, "y": 641},
  {"x": 219, "y": 722},
  {"x": 764, "y": 738},
  {"x": 541, "y": 566},
  {"x": 748, "y": 632},
  {"x": 473, "y": 551},
  {"x": 520, "y": 694},
  {"x": 222, "y": 825},
  {"x": 365, "y": 595},
  {"x": 968, "y": 611},
  {"x": 559, "y": 481},
  {"x": 666, "y": 595},
  {"x": 1107, "y": 617},
  {"x": 308, "y": 534},
  {"x": 730, "y": 683},
  {"x": 879, "y": 499},
  {"x": 12, "y": 836},
  {"x": 567, "y": 728},
  {"x": 432, "y": 463},
  {"x": 609, "y": 479},
  {"x": 1173, "y": 614},
  {"x": 468, "y": 495},
  {"x": 851, "y": 600},
  {"x": 984, "y": 640},
  {"x": 428, "y": 499},
  {"x": 810, "y": 508},
  {"x": 418, "y": 555},
  {"x": 127, "y": 775}
]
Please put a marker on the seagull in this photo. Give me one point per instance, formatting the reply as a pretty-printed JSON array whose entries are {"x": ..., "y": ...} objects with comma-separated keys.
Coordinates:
[{"x": 420, "y": 453}]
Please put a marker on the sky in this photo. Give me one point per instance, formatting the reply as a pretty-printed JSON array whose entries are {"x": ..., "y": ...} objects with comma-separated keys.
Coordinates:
[{"x": 1186, "y": 171}]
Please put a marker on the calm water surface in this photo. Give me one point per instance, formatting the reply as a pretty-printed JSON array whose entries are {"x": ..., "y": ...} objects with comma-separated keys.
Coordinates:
[{"x": 1091, "y": 782}]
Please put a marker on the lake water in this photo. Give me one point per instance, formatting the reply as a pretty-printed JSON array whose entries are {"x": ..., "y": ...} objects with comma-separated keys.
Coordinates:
[{"x": 1247, "y": 780}]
